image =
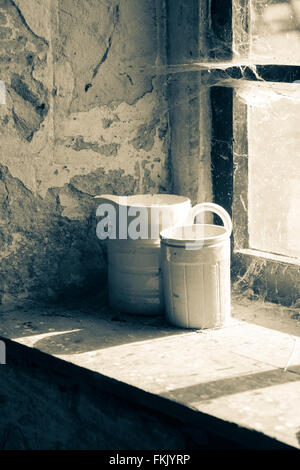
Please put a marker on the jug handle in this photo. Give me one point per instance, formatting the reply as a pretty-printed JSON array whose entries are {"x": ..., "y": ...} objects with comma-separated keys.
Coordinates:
[{"x": 216, "y": 209}]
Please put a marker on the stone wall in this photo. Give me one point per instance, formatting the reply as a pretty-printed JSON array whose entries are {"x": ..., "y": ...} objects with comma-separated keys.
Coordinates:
[
  {"x": 49, "y": 404},
  {"x": 85, "y": 114},
  {"x": 189, "y": 101}
]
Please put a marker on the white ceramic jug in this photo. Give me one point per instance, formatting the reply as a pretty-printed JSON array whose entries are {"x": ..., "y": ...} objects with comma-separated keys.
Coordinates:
[{"x": 134, "y": 224}]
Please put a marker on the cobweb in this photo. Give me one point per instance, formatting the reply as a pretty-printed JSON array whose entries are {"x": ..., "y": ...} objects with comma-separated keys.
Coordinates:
[{"x": 262, "y": 33}]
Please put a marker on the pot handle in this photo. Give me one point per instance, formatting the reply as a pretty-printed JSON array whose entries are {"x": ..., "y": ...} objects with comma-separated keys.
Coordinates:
[{"x": 211, "y": 207}]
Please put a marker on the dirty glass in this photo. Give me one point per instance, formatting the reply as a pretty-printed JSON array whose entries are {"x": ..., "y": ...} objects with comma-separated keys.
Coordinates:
[
  {"x": 268, "y": 32},
  {"x": 275, "y": 31},
  {"x": 274, "y": 173}
]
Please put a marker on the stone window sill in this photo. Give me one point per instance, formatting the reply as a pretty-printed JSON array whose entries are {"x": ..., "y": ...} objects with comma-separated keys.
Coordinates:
[{"x": 242, "y": 381}]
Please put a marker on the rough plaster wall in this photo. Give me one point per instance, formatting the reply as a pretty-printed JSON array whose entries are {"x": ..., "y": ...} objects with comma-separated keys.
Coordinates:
[
  {"x": 81, "y": 119},
  {"x": 189, "y": 100}
]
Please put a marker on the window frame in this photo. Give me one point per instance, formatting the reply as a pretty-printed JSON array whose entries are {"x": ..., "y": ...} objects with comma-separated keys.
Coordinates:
[{"x": 274, "y": 277}]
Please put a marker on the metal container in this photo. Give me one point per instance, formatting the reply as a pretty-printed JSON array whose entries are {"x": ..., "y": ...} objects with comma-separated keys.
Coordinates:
[{"x": 196, "y": 272}]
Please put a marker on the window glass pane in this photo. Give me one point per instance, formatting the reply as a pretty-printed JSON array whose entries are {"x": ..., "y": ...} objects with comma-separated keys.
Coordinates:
[
  {"x": 275, "y": 31},
  {"x": 274, "y": 175}
]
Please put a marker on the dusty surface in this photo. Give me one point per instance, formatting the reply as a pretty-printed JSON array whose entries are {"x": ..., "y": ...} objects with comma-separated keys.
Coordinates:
[
  {"x": 267, "y": 314},
  {"x": 244, "y": 373}
]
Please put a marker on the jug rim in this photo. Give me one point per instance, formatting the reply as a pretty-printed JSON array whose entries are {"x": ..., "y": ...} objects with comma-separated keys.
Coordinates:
[
  {"x": 177, "y": 199},
  {"x": 168, "y": 236}
]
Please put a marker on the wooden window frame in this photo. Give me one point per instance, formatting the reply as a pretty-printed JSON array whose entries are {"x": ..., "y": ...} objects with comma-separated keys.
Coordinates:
[{"x": 275, "y": 278}]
